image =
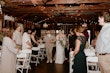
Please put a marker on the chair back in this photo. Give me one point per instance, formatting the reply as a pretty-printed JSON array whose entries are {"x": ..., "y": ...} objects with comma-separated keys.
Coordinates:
[
  {"x": 92, "y": 65},
  {"x": 23, "y": 60}
]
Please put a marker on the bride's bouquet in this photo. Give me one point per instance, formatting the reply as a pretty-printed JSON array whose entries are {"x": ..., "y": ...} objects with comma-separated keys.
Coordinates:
[{"x": 62, "y": 41}]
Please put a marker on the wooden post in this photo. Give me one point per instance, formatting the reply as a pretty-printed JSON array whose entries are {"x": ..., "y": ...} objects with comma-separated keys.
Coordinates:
[{"x": 1, "y": 19}]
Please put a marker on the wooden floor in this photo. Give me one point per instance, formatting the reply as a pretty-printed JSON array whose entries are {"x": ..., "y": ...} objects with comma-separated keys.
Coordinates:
[{"x": 43, "y": 67}]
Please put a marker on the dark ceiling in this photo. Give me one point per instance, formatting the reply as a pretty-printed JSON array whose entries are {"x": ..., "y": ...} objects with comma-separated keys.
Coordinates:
[{"x": 56, "y": 11}]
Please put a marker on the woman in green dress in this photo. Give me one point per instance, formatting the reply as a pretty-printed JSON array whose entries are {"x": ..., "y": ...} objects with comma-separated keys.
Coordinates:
[{"x": 79, "y": 55}]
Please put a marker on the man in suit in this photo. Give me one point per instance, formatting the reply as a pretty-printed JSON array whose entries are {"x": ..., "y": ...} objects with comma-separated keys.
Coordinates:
[{"x": 49, "y": 44}]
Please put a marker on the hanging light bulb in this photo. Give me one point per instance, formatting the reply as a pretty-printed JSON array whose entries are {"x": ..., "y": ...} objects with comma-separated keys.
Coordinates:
[{"x": 45, "y": 25}]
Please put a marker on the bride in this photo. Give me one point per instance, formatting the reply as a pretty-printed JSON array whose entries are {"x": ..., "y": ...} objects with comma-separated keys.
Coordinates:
[{"x": 60, "y": 47}]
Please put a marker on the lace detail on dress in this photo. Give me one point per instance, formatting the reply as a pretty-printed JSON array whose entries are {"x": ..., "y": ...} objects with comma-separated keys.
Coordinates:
[{"x": 81, "y": 38}]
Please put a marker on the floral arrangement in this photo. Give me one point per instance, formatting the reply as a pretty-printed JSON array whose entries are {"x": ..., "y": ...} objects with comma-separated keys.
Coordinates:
[{"x": 62, "y": 41}]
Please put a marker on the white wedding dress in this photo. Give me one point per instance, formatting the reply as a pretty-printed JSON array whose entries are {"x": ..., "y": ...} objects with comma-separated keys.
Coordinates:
[{"x": 60, "y": 54}]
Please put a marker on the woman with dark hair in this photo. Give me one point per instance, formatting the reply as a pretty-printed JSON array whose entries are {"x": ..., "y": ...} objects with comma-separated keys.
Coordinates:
[
  {"x": 26, "y": 39},
  {"x": 34, "y": 41},
  {"x": 9, "y": 52},
  {"x": 72, "y": 38},
  {"x": 79, "y": 55},
  {"x": 34, "y": 38}
]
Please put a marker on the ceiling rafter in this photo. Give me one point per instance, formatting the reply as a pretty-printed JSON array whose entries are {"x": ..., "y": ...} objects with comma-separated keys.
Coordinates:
[{"x": 59, "y": 10}]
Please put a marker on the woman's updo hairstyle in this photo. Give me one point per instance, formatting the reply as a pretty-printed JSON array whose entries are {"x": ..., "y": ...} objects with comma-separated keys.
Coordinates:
[{"x": 79, "y": 29}]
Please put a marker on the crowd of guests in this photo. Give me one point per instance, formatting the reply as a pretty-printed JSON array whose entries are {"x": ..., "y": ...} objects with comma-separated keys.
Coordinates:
[{"x": 14, "y": 41}]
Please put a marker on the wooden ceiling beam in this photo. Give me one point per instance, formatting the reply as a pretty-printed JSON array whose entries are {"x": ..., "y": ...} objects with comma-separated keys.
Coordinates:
[
  {"x": 24, "y": 9},
  {"x": 63, "y": 1},
  {"x": 67, "y": 7},
  {"x": 52, "y": 9},
  {"x": 77, "y": 1},
  {"x": 58, "y": 0}
]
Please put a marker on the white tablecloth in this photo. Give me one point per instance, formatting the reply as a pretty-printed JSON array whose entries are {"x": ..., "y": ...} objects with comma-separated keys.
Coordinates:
[
  {"x": 89, "y": 52},
  {"x": 35, "y": 48},
  {"x": 92, "y": 59},
  {"x": 22, "y": 53},
  {"x": 26, "y": 51},
  {"x": 41, "y": 45}
]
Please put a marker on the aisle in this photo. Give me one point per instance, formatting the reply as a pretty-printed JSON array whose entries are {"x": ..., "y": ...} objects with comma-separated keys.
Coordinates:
[{"x": 43, "y": 67}]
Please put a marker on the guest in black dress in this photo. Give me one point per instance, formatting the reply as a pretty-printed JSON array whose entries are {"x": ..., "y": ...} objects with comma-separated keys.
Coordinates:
[
  {"x": 79, "y": 55},
  {"x": 72, "y": 38},
  {"x": 34, "y": 40}
]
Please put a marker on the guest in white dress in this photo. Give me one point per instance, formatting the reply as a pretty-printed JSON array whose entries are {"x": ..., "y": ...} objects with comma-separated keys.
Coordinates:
[
  {"x": 17, "y": 36},
  {"x": 60, "y": 47},
  {"x": 9, "y": 52},
  {"x": 26, "y": 40}
]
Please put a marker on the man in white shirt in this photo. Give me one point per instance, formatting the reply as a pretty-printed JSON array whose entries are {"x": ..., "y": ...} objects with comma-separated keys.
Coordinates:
[
  {"x": 17, "y": 36},
  {"x": 103, "y": 43}
]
